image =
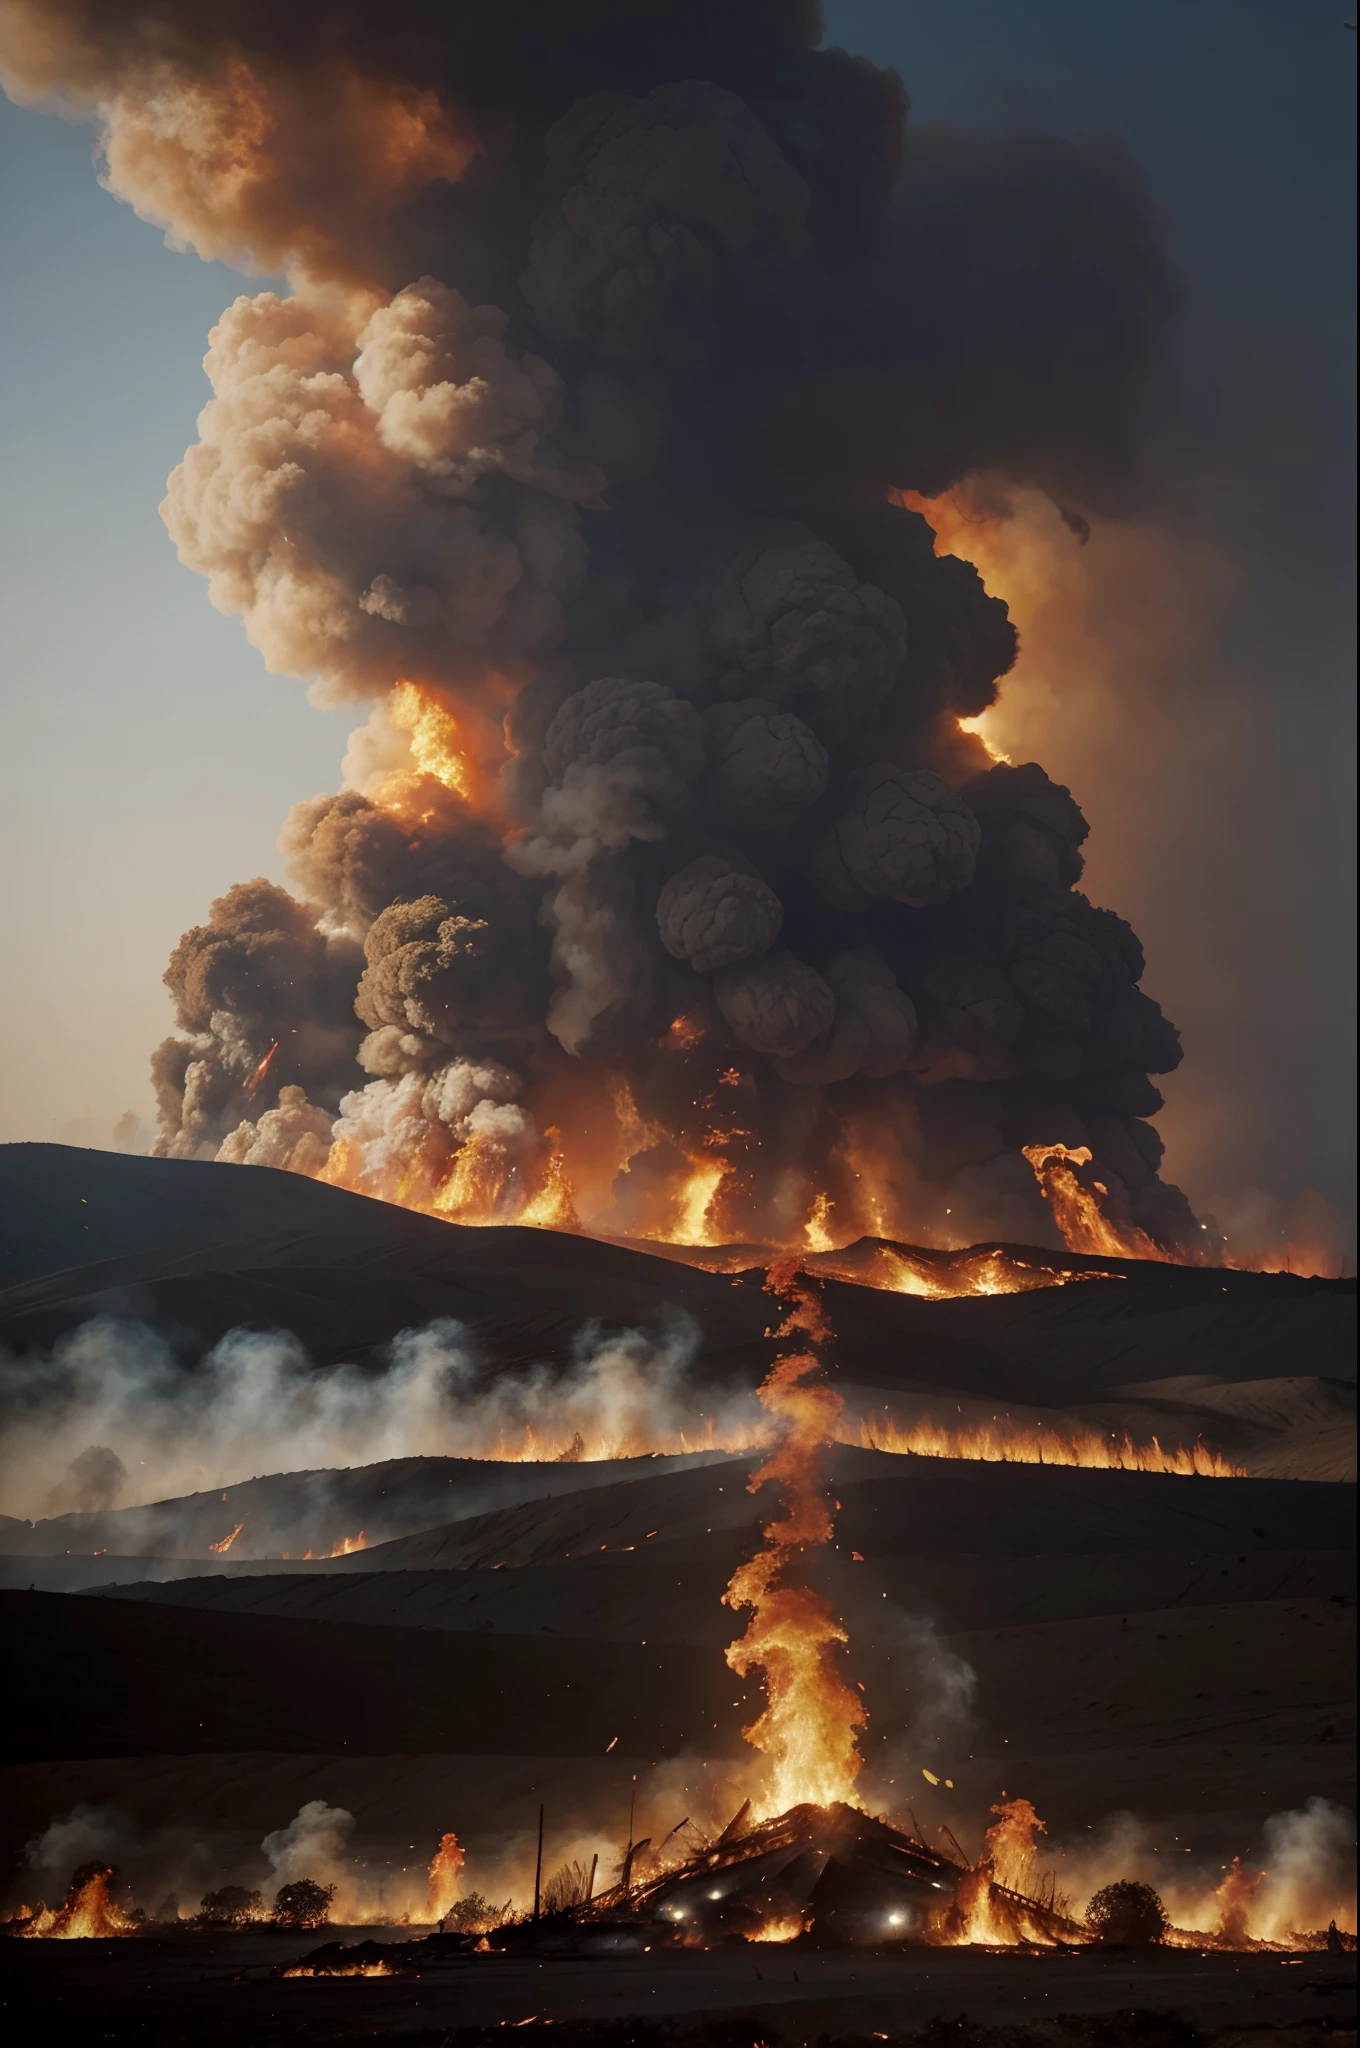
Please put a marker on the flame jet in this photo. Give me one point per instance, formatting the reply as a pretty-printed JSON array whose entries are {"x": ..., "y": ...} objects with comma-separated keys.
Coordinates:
[{"x": 812, "y": 1718}]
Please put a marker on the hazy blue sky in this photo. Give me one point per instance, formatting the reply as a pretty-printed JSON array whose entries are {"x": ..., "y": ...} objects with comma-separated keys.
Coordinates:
[{"x": 151, "y": 760}]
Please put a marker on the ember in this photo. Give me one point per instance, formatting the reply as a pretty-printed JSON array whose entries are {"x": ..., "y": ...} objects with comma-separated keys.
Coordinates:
[{"x": 365, "y": 1959}]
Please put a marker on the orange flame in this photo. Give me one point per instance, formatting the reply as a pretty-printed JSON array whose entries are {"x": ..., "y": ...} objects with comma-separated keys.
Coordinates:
[
  {"x": 1235, "y": 1896},
  {"x": 984, "y": 1273},
  {"x": 446, "y": 1868},
  {"x": 695, "y": 1202},
  {"x": 815, "y": 1232},
  {"x": 86, "y": 1914},
  {"x": 341, "y": 1970},
  {"x": 1007, "y": 1442},
  {"x": 1077, "y": 1213},
  {"x": 991, "y": 1905},
  {"x": 218, "y": 1548},
  {"x": 256, "y": 1079},
  {"x": 436, "y": 742},
  {"x": 481, "y": 1185},
  {"x": 811, "y": 1720},
  {"x": 977, "y": 728},
  {"x": 786, "y": 1929},
  {"x": 348, "y": 1545},
  {"x": 1010, "y": 1842},
  {"x": 552, "y": 1206}
]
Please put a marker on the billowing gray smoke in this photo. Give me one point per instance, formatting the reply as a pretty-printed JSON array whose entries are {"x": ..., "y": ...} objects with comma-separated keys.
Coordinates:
[
  {"x": 615, "y": 331},
  {"x": 256, "y": 1403}
]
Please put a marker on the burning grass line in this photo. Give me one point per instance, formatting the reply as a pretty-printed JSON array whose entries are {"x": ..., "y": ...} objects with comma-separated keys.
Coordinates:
[{"x": 1004, "y": 1442}]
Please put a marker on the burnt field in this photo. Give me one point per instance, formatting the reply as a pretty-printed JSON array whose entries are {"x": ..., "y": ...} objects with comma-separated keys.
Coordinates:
[
  {"x": 229, "y": 1990},
  {"x": 1159, "y": 1663}
]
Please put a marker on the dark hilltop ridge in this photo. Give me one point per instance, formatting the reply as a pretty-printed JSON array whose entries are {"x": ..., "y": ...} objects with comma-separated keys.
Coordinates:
[
  {"x": 1180, "y": 1648},
  {"x": 194, "y": 1249}
]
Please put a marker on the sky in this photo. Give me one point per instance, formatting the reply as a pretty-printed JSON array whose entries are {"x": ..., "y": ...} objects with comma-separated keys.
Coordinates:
[{"x": 151, "y": 760}]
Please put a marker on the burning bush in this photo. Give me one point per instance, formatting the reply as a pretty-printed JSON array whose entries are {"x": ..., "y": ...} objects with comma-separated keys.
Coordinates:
[
  {"x": 473, "y": 1914},
  {"x": 90, "y": 1910},
  {"x": 231, "y": 1906},
  {"x": 1128, "y": 1913},
  {"x": 303, "y": 1904},
  {"x": 569, "y": 1886}
]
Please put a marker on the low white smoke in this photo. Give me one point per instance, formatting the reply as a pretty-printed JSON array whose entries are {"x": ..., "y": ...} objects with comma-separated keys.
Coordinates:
[
  {"x": 165, "y": 1869},
  {"x": 110, "y": 1418},
  {"x": 1309, "y": 1871},
  {"x": 1302, "y": 1876},
  {"x": 314, "y": 1844},
  {"x": 86, "y": 1834},
  {"x": 168, "y": 1870}
]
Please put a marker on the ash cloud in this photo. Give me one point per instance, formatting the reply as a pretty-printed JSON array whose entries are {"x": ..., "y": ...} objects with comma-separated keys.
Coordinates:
[{"x": 616, "y": 335}]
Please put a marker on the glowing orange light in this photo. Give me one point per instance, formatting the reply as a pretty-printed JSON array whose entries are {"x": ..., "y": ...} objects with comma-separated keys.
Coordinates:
[
  {"x": 1076, "y": 1211},
  {"x": 434, "y": 736},
  {"x": 812, "y": 1718},
  {"x": 682, "y": 1034},
  {"x": 1007, "y": 1442},
  {"x": 815, "y": 1232},
  {"x": 86, "y": 1914},
  {"x": 446, "y": 1868}
]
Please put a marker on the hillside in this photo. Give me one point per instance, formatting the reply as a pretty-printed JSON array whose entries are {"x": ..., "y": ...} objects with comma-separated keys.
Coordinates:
[{"x": 512, "y": 1632}]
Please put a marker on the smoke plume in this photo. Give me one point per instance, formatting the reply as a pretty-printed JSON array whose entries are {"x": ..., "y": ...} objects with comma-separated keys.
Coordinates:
[
  {"x": 668, "y": 892},
  {"x": 1302, "y": 1877},
  {"x": 312, "y": 1845},
  {"x": 255, "y": 1404}
]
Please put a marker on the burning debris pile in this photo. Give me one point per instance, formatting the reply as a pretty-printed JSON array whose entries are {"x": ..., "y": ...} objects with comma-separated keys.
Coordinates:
[
  {"x": 828, "y": 1875},
  {"x": 669, "y": 890},
  {"x": 835, "y": 1874}
]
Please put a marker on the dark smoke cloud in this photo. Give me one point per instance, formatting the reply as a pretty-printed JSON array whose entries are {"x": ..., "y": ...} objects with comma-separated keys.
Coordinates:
[
  {"x": 258, "y": 976},
  {"x": 614, "y": 329}
]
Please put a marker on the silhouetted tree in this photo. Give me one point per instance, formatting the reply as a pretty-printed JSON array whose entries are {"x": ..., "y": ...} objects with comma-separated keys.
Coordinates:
[
  {"x": 1128, "y": 1913},
  {"x": 472, "y": 1914},
  {"x": 303, "y": 1903},
  {"x": 232, "y": 1906}
]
